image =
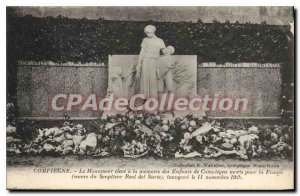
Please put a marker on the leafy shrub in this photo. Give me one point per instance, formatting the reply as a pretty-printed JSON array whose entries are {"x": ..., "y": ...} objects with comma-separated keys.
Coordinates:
[
  {"x": 26, "y": 130},
  {"x": 63, "y": 39}
]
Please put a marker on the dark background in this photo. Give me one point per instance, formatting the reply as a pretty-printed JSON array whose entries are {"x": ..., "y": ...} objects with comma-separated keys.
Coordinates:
[{"x": 61, "y": 39}]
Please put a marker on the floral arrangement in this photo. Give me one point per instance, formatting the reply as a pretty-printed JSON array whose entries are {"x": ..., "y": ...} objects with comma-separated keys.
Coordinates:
[{"x": 137, "y": 135}]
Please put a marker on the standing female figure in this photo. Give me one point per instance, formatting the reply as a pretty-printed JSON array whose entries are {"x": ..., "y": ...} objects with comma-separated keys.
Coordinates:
[{"x": 147, "y": 63}]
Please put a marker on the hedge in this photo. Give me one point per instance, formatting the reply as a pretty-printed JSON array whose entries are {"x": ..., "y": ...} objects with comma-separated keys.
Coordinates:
[{"x": 63, "y": 39}]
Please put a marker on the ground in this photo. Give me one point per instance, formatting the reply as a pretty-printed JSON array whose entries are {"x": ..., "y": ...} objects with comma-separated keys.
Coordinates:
[{"x": 115, "y": 162}]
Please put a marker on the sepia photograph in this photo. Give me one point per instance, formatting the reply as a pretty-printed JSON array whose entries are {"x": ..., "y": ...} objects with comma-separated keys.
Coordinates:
[{"x": 150, "y": 98}]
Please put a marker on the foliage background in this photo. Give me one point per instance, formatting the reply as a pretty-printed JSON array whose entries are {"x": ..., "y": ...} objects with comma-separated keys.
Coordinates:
[{"x": 62, "y": 39}]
